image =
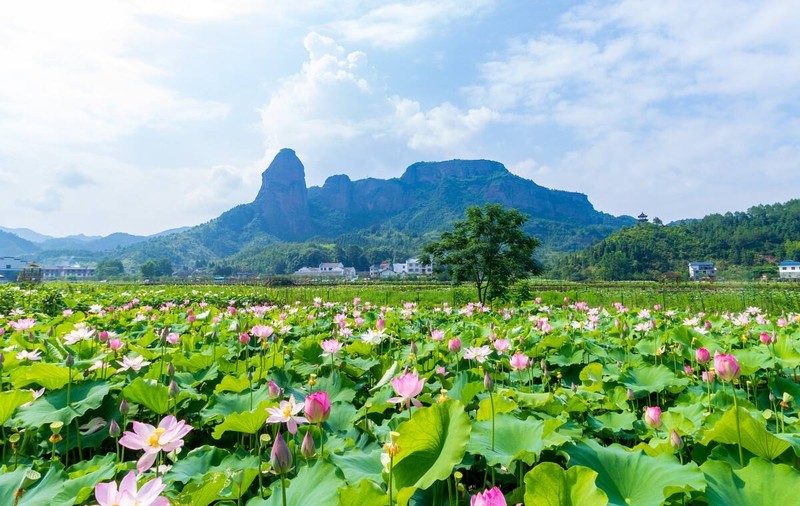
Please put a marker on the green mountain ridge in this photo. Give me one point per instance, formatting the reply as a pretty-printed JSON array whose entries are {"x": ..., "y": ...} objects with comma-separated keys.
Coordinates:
[{"x": 745, "y": 245}]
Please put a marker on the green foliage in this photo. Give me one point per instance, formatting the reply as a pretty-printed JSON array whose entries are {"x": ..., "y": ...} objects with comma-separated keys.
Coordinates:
[
  {"x": 744, "y": 245},
  {"x": 549, "y": 485},
  {"x": 109, "y": 268},
  {"x": 760, "y": 482},
  {"x": 488, "y": 249}
]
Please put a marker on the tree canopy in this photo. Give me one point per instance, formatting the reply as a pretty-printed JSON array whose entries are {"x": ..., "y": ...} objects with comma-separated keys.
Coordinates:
[{"x": 488, "y": 249}]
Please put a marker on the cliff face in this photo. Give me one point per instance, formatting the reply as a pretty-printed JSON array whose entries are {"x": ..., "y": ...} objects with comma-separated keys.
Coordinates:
[
  {"x": 283, "y": 198},
  {"x": 428, "y": 196}
]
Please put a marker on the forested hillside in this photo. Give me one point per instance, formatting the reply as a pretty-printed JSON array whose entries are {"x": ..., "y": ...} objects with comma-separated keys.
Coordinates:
[{"x": 745, "y": 245}]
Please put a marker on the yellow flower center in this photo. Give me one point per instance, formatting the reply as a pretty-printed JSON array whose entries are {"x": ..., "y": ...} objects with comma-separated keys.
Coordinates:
[
  {"x": 287, "y": 411},
  {"x": 153, "y": 439}
]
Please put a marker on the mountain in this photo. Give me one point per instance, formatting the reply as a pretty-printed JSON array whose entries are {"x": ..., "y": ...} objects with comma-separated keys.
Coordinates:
[
  {"x": 27, "y": 234},
  {"x": 14, "y": 246},
  {"x": 744, "y": 245},
  {"x": 386, "y": 216}
]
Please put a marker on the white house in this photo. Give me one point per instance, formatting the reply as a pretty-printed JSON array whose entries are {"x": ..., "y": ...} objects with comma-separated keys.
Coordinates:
[
  {"x": 67, "y": 271},
  {"x": 327, "y": 269},
  {"x": 414, "y": 266},
  {"x": 789, "y": 269},
  {"x": 702, "y": 270}
]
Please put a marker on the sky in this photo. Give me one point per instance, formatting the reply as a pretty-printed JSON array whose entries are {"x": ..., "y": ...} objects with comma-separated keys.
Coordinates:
[{"x": 143, "y": 115}]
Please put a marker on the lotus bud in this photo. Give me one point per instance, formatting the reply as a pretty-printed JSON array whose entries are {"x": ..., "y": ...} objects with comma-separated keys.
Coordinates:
[
  {"x": 317, "y": 407},
  {"x": 726, "y": 366},
  {"x": 380, "y": 324},
  {"x": 173, "y": 389},
  {"x": 123, "y": 407},
  {"x": 273, "y": 390},
  {"x": 454, "y": 345},
  {"x": 115, "y": 344},
  {"x": 765, "y": 338},
  {"x": 413, "y": 347},
  {"x": 708, "y": 324},
  {"x": 280, "y": 457},
  {"x": 630, "y": 394},
  {"x": 688, "y": 369},
  {"x": 675, "y": 440},
  {"x": 113, "y": 429},
  {"x": 308, "y": 448},
  {"x": 2, "y": 359},
  {"x": 702, "y": 355},
  {"x": 244, "y": 338},
  {"x": 170, "y": 370},
  {"x": 103, "y": 336},
  {"x": 487, "y": 382},
  {"x": 652, "y": 416}
]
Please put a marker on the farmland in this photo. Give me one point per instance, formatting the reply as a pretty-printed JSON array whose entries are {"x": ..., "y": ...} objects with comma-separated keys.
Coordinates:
[{"x": 407, "y": 394}]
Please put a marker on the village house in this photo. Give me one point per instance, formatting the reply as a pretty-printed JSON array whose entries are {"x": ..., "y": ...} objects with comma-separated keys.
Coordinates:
[
  {"x": 702, "y": 270},
  {"x": 411, "y": 267},
  {"x": 789, "y": 269},
  {"x": 328, "y": 270},
  {"x": 10, "y": 267}
]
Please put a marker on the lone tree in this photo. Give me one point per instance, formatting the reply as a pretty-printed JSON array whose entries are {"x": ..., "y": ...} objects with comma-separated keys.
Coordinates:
[{"x": 488, "y": 249}]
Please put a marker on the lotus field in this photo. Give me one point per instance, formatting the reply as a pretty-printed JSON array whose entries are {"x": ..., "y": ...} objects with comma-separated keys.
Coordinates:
[{"x": 217, "y": 395}]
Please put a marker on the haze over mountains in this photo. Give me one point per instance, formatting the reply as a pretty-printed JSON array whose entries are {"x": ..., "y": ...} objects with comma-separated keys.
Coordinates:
[{"x": 411, "y": 209}]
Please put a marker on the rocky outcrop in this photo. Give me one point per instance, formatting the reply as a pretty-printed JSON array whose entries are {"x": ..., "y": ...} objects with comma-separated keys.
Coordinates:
[{"x": 283, "y": 197}]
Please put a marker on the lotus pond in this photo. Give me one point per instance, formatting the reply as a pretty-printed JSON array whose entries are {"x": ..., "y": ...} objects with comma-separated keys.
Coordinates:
[{"x": 218, "y": 395}]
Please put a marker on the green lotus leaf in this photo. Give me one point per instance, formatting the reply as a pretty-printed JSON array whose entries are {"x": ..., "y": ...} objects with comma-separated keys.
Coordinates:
[
  {"x": 248, "y": 422},
  {"x": 10, "y": 401},
  {"x": 592, "y": 377},
  {"x": 631, "y": 477},
  {"x": 195, "y": 464},
  {"x": 49, "y": 376},
  {"x": 366, "y": 492},
  {"x": 154, "y": 397},
  {"x": 549, "y": 485},
  {"x": 357, "y": 465},
  {"x": 501, "y": 405},
  {"x": 514, "y": 439},
  {"x": 785, "y": 352},
  {"x": 203, "y": 492},
  {"x": 53, "y": 406},
  {"x": 755, "y": 436},
  {"x": 651, "y": 379},
  {"x": 753, "y": 360},
  {"x": 314, "y": 484},
  {"x": 431, "y": 443},
  {"x": 760, "y": 482},
  {"x": 615, "y": 422},
  {"x": 84, "y": 476},
  {"x": 234, "y": 384}
]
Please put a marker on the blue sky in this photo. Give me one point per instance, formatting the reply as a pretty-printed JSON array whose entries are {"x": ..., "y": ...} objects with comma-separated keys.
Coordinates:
[{"x": 144, "y": 115}]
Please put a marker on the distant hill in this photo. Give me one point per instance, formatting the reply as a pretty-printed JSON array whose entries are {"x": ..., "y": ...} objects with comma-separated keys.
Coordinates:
[
  {"x": 27, "y": 234},
  {"x": 743, "y": 244},
  {"x": 15, "y": 246},
  {"x": 383, "y": 218}
]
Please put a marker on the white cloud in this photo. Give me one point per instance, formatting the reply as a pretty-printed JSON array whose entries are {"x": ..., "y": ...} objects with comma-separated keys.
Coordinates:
[
  {"x": 395, "y": 24},
  {"x": 337, "y": 109},
  {"x": 660, "y": 102}
]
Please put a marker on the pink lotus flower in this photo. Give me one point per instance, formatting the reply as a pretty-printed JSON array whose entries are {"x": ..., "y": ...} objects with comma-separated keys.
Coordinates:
[
  {"x": 490, "y": 497},
  {"x": 286, "y": 413},
  {"x": 23, "y": 324},
  {"x": 726, "y": 366},
  {"x": 479, "y": 353},
  {"x": 127, "y": 495},
  {"x": 330, "y": 347},
  {"x": 167, "y": 436},
  {"x": 135, "y": 363},
  {"x": 173, "y": 338},
  {"x": 29, "y": 355},
  {"x": 652, "y": 416},
  {"x": 437, "y": 335},
  {"x": 407, "y": 386},
  {"x": 519, "y": 362},
  {"x": 317, "y": 407},
  {"x": 262, "y": 332},
  {"x": 501, "y": 345},
  {"x": 115, "y": 344}
]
